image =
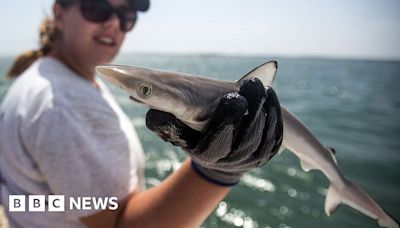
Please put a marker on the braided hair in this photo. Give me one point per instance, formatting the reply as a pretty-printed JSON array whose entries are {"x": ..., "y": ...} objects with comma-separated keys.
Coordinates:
[{"x": 48, "y": 35}]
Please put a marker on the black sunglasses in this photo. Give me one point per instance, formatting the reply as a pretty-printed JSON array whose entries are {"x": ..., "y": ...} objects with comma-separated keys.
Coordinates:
[{"x": 102, "y": 11}]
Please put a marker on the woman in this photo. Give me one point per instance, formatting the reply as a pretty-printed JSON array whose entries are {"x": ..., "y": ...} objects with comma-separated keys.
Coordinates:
[{"x": 62, "y": 133}]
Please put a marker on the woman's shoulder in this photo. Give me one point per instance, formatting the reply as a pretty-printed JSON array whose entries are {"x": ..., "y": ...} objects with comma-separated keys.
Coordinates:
[
  {"x": 47, "y": 83},
  {"x": 68, "y": 88},
  {"x": 28, "y": 90}
]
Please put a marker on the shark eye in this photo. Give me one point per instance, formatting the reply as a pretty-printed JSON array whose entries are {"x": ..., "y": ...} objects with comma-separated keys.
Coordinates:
[{"x": 144, "y": 90}]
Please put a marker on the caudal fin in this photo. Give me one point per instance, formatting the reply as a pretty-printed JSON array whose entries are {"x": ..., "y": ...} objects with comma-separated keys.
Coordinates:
[{"x": 353, "y": 196}]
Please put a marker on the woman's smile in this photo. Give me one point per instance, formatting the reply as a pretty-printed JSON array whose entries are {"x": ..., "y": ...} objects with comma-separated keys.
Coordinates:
[{"x": 105, "y": 40}]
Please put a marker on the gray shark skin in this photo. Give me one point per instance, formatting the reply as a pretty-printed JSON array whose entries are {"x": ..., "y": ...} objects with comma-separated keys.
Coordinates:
[{"x": 192, "y": 99}]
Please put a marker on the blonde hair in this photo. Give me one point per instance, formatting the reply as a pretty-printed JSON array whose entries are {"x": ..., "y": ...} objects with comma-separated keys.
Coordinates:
[{"x": 48, "y": 34}]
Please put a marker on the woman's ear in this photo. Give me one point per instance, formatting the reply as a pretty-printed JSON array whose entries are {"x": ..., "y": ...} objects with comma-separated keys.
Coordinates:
[{"x": 58, "y": 16}]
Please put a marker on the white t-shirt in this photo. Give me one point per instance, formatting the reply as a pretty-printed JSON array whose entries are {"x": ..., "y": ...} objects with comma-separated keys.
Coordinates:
[{"x": 59, "y": 135}]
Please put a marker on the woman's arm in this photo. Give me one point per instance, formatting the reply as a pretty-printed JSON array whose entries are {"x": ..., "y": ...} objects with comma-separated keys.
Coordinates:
[{"x": 184, "y": 199}]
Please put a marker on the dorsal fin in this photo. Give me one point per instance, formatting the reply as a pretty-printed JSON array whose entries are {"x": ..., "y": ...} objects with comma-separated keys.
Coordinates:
[
  {"x": 332, "y": 153},
  {"x": 266, "y": 72}
]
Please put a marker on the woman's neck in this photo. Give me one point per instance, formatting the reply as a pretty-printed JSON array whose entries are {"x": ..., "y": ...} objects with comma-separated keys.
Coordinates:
[{"x": 86, "y": 74}]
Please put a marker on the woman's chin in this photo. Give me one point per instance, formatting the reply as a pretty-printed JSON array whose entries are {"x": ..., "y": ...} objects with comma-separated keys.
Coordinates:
[{"x": 103, "y": 60}]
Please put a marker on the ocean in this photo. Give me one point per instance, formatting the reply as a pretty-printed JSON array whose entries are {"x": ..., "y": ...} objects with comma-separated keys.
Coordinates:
[{"x": 350, "y": 105}]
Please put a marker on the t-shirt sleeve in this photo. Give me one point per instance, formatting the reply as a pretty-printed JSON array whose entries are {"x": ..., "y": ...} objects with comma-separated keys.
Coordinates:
[{"x": 81, "y": 153}]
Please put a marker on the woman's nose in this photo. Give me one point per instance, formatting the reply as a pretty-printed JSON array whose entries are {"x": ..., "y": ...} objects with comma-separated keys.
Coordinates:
[{"x": 112, "y": 22}]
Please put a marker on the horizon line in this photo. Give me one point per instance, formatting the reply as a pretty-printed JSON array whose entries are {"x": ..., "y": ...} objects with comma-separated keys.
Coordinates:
[
  {"x": 257, "y": 55},
  {"x": 244, "y": 55}
]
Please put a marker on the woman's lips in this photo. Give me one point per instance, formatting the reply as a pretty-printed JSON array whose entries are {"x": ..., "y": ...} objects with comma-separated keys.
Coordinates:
[{"x": 105, "y": 40}]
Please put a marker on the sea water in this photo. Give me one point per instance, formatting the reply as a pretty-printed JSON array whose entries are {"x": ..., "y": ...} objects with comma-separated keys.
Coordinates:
[{"x": 350, "y": 105}]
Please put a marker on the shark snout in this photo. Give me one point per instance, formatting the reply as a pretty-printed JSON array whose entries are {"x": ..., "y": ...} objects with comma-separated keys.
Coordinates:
[
  {"x": 116, "y": 75},
  {"x": 105, "y": 70},
  {"x": 110, "y": 73}
]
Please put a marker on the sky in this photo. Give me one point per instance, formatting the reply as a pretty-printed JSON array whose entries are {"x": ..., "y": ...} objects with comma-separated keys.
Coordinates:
[{"x": 358, "y": 29}]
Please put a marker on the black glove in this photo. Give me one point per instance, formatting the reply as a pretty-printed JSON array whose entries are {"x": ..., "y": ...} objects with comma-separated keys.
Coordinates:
[{"x": 244, "y": 132}]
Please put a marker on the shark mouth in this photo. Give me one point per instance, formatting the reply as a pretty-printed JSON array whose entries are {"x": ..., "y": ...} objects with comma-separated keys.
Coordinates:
[{"x": 134, "y": 99}]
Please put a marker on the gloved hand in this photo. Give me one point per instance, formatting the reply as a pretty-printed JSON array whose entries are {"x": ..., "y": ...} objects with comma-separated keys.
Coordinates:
[{"x": 244, "y": 132}]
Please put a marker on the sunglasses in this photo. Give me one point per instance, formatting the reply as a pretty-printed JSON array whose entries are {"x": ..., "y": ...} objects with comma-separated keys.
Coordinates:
[{"x": 101, "y": 11}]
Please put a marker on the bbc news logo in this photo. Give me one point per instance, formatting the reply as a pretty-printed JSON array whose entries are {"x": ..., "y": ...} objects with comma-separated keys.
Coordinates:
[{"x": 57, "y": 203}]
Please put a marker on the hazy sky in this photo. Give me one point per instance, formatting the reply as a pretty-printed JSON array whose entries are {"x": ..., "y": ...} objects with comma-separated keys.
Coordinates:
[{"x": 328, "y": 28}]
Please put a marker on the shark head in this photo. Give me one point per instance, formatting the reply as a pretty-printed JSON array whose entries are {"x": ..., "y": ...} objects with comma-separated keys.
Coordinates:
[
  {"x": 192, "y": 99},
  {"x": 145, "y": 86}
]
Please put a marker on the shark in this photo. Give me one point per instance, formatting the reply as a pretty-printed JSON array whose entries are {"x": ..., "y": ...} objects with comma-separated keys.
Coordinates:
[{"x": 192, "y": 99}]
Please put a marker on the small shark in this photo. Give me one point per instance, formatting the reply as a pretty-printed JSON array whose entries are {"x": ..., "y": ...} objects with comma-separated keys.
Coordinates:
[{"x": 192, "y": 99}]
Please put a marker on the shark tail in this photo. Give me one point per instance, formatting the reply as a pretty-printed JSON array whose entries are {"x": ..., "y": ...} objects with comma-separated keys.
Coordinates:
[{"x": 353, "y": 196}]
